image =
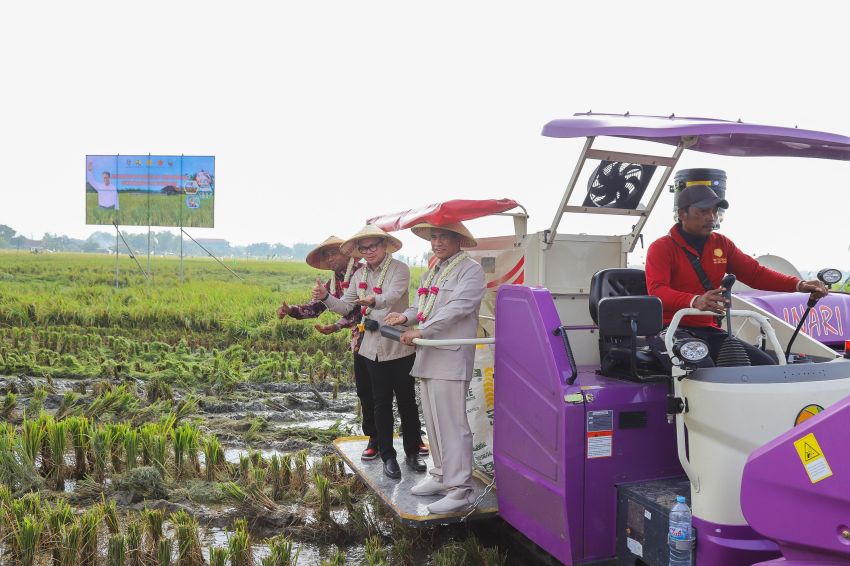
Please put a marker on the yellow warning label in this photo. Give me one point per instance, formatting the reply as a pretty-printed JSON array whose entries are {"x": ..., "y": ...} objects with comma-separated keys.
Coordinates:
[{"x": 813, "y": 458}]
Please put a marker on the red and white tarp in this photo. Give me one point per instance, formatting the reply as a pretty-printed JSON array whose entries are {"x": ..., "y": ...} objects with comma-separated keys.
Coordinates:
[{"x": 441, "y": 213}]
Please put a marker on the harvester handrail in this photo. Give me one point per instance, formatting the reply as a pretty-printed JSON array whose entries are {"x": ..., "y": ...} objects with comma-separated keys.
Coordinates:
[
  {"x": 454, "y": 342},
  {"x": 766, "y": 327}
]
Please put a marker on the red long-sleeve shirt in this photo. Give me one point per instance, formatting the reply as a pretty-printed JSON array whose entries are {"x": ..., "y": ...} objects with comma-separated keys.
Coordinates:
[{"x": 671, "y": 277}]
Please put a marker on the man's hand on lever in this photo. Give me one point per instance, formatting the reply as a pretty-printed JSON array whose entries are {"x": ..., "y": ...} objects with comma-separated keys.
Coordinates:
[
  {"x": 817, "y": 289},
  {"x": 395, "y": 319},
  {"x": 408, "y": 337},
  {"x": 713, "y": 301}
]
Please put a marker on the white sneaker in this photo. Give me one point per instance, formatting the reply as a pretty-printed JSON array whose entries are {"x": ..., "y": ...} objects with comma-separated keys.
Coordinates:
[
  {"x": 450, "y": 504},
  {"x": 428, "y": 487}
]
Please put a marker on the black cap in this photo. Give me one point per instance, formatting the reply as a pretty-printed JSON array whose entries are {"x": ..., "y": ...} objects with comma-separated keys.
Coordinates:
[{"x": 700, "y": 196}]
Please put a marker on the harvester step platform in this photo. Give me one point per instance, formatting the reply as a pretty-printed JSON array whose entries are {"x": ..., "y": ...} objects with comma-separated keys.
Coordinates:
[{"x": 410, "y": 509}]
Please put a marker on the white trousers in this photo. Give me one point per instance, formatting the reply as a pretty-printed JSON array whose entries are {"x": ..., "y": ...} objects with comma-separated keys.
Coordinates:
[{"x": 449, "y": 436}]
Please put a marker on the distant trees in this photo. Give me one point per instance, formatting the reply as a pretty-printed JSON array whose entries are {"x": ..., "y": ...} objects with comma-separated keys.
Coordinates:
[{"x": 6, "y": 235}]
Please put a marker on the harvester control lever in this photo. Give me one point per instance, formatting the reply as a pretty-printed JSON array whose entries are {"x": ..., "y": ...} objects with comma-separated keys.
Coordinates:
[{"x": 826, "y": 276}]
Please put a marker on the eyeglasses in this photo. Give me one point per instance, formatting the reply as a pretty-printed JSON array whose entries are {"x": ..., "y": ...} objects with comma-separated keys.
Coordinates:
[{"x": 371, "y": 248}]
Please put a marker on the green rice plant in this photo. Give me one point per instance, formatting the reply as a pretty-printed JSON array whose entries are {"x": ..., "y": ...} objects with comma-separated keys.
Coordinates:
[
  {"x": 27, "y": 535},
  {"x": 131, "y": 448},
  {"x": 245, "y": 466},
  {"x": 281, "y": 552},
  {"x": 184, "y": 439},
  {"x": 188, "y": 539},
  {"x": 36, "y": 403},
  {"x": 117, "y": 432},
  {"x": 32, "y": 434},
  {"x": 89, "y": 522},
  {"x": 116, "y": 550},
  {"x": 158, "y": 389},
  {"x": 213, "y": 456},
  {"x": 375, "y": 554},
  {"x": 275, "y": 477},
  {"x": 164, "y": 552},
  {"x": 159, "y": 452},
  {"x": 57, "y": 436},
  {"x": 335, "y": 559},
  {"x": 57, "y": 519},
  {"x": 253, "y": 432},
  {"x": 135, "y": 554},
  {"x": 186, "y": 407},
  {"x": 298, "y": 481},
  {"x": 45, "y": 422},
  {"x": 152, "y": 519},
  {"x": 66, "y": 406},
  {"x": 10, "y": 402},
  {"x": 239, "y": 545},
  {"x": 323, "y": 489},
  {"x": 71, "y": 541},
  {"x": 218, "y": 556},
  {"x": 101, "y": 444},
  {"x": 80, "y": 430},
  {"x": 109, "y": 512},
  {"x": 492, "y": 556}
]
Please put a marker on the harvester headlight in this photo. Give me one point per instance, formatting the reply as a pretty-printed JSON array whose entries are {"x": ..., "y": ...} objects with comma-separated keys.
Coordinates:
[
  {"x": 829, "y": 276},
  {"x": 691, "y": 350}
]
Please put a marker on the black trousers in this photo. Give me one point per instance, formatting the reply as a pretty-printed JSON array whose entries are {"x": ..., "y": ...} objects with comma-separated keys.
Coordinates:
[
  {"x": 714, "y": 337},
  {"x": 388, "y": 378},
  {"x": 363, "y": 384}
]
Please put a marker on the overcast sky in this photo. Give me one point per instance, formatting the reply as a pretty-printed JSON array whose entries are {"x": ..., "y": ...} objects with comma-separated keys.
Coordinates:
[{"x": 322, "y": 114}]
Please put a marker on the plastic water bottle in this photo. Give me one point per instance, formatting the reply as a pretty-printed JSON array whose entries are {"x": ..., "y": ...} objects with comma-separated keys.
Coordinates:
[{"x": 680, "y": 530}]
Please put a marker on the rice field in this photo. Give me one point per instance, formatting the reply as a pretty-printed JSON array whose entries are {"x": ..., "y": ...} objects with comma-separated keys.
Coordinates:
[{"x": 163, "y": 422}]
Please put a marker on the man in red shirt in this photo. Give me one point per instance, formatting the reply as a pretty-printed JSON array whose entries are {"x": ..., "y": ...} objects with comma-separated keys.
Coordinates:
[{"x": 672, "y": 274}]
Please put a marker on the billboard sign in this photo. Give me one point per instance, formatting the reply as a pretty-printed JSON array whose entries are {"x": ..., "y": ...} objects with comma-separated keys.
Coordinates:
[{"x": 150, "y": 190}]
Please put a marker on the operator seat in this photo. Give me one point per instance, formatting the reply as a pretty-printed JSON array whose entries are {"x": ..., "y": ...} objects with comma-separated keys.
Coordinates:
[{"x": 622, "y": 310}]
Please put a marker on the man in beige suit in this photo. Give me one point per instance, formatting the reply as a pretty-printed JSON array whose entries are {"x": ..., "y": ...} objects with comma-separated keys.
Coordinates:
[
  {"x": 379, "y": 288},
  {"x": 449, "y": 299}
]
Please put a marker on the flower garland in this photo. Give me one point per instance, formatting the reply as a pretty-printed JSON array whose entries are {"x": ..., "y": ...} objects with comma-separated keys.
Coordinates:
[
  {"x": 428, "y": 291},
  {"x": 362, "y": 286},
  {"x": 346, "y": 280}
]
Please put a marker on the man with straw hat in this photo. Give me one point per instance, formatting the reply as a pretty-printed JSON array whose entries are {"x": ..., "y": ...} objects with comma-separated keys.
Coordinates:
[
  {"x": 448, "y": 302},
  {"x": 379, "y": 288},
  {"x": 328, "y": 257}
]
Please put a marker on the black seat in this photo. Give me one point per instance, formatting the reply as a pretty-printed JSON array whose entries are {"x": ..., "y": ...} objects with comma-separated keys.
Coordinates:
[{"x": 623, "y": 311}]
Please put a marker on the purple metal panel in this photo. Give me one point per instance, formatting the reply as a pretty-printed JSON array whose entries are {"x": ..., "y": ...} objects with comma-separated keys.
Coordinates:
[
  {"x": 829, "y": 320},
  {"x": 547, "y": 488},
  {"x": 539, "y": 493},
  {"x": 779, "y": 499},
  {"x": 714, "y": 136},
  {"x": 731, "y": 545},
  {"x": 637, "y": 454}
]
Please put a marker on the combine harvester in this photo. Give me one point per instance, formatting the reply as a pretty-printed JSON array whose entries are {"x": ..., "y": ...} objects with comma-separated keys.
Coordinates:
[{"x": 592, "y": 439}]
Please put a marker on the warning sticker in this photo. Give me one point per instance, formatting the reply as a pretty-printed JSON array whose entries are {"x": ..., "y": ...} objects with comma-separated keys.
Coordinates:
[
  {"x": 600, "y": 434},
  {"x": 813, "y": 458}
]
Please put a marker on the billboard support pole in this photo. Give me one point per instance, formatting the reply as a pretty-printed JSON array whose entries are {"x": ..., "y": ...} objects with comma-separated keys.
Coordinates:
[
  {"x": 236, "y": 275},
  {"x": 182, "y": 192},
  {"x": 116, "y": 254},
  {"x": 149, "y": 214},
  {"x": 181, "y": 254},
  {"x": 131, "y": 253}
]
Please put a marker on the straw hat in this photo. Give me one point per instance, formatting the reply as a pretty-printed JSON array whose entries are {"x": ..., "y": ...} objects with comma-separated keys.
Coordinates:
[
  {"x": 466, "y": 240},
  {"x": 349, "y": 247},
  {"x": 316, "y": 257}
]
